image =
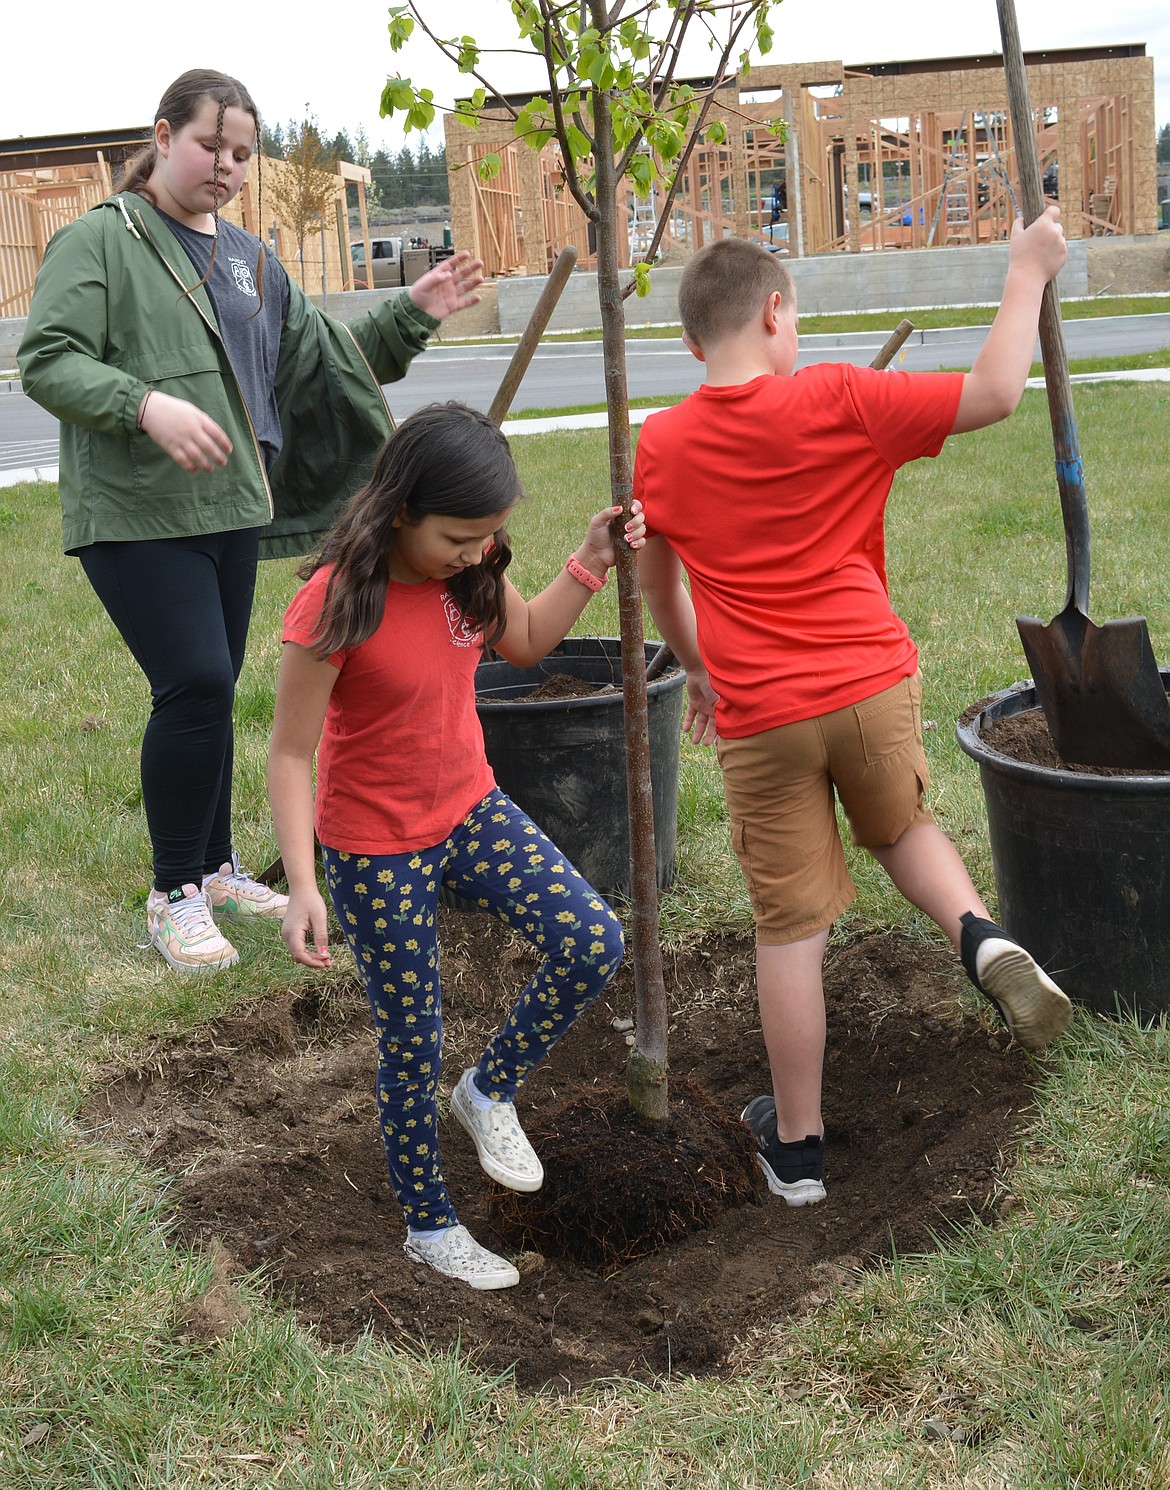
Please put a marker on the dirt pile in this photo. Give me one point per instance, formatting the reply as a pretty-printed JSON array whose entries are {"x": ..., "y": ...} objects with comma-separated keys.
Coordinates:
[{"x": 267, "y": 1121}]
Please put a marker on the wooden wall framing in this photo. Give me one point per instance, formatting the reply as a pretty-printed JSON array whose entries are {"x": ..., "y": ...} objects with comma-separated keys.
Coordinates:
[
  {"x": 36, "y": 200},
  {"x": 929, "y": 142}
]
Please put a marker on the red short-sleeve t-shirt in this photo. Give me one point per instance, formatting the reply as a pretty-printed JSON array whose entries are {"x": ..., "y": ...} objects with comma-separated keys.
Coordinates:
[
  {"x": 401, "y": 759},
  {"x": 773, "y": 495}
]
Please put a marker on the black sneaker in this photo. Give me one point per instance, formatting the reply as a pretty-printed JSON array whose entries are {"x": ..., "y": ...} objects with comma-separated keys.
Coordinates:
[
  {"x": 1034, "y": 1009},
  {"x": 794, "y": 1171}
]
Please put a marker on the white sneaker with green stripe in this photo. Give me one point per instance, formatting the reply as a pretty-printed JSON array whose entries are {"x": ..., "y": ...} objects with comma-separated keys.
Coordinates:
[
  {"x": 182, "y": 930},
  {"x": 233, "y": 892}
]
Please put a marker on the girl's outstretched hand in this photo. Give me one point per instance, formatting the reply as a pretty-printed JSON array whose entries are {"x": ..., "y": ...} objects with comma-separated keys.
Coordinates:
[
  {"x": 598, "y": 543},
  {"x": 304, "y": 930},
  {"x": 449, "y": 286}
]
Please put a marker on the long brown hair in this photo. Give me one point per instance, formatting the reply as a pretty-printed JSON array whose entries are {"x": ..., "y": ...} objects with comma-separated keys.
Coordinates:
[
  {"x": 178, "y": 106},
  {"x": 446, "y": 459}
]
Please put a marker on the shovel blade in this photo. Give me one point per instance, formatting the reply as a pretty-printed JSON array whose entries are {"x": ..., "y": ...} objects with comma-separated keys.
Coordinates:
[{"x": 1100, "y": 690}]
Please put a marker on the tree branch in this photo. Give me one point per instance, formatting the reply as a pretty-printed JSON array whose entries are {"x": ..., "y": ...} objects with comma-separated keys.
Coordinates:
[
  {"x": 720, "y": 81},
  {"x": 452, "y": 55},
  {"x": 572, "y": 175}
]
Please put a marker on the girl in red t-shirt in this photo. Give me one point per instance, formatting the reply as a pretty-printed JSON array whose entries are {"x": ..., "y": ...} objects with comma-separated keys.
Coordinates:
[{"x": 378, "y": 667}]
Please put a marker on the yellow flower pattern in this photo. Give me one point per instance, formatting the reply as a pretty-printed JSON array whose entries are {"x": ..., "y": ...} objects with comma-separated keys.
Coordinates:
[{"x": 377, "y": 897}]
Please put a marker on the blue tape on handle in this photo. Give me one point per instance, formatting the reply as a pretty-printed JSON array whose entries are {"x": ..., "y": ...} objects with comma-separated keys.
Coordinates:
[{"x": 1071, "y": 472}]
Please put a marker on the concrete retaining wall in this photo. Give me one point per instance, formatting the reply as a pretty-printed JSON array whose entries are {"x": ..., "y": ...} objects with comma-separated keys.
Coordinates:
[{"x": 827, "y": 284}]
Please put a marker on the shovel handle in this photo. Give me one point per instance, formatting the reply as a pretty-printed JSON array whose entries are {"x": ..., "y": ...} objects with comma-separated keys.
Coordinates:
[
  {"x": 1070, "y": 474},
  {"x": 537, "y": 321}
]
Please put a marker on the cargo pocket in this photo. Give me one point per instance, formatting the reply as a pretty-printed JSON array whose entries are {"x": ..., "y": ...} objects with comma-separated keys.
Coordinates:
[
  {"x": 886, "y": 725},
  {"x": 740, "y": 846}
]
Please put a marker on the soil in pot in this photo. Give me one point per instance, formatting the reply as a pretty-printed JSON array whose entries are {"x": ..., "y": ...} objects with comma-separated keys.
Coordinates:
[{"x": 1026, "y": 737}]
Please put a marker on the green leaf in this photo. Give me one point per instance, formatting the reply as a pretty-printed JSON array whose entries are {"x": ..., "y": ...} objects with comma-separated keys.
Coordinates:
[
  {"x": 489, "y": 167},
  {"x": 600, "y": 73},
  {"x": 578, "y": 142},
  {"x": 716, "y": 133},
  {"x": 527, "y": 17},
  {"x": 400, "y": 27},
  {"x": 667, "y": 138},
  {"x": 642, "y": 173},
  {"x": 422, "y": 114},
  {"x": 468, "y": 54},
  {"x": 468, "y": 111},
  {"x": 641, "y": 280},
  {"x": 397, "y": 97}
]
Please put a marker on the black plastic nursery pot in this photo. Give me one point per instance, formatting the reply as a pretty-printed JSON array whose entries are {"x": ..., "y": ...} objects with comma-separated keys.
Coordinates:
[
  {"x": 1082, "y": 869},
  {"x": 563, "y": 760}
]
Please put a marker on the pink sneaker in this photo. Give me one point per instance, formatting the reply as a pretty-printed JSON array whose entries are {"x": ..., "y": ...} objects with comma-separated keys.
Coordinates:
[{"x": 233, "y": 892}]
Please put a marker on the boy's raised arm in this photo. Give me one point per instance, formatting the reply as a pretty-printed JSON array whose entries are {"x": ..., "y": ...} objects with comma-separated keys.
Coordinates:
[{"x": 993, "y": 387}]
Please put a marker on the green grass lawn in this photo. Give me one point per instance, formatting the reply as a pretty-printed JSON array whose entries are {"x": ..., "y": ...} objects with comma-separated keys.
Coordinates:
[{"x": 1052, "y": 1331}]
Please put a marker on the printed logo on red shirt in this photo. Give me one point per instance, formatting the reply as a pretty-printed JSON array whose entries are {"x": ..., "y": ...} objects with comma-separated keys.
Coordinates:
[{"x": 461, "y": 633}]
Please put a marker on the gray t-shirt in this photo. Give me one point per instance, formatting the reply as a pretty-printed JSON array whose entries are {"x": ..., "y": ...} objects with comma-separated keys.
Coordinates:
[{"x": 252, "y": 339}]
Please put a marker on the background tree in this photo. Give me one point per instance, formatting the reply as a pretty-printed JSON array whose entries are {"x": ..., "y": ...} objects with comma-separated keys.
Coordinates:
[
  {"x": 304, "y": 191},
  {"x": 1164, "y": 145},
  {"x": 613, "y": 100}
]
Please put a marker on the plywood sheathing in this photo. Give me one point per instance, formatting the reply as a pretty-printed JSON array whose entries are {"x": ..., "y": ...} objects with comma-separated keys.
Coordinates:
[
  {"x": 944, "y": 130},
  {"x": 35, "y": 202}
]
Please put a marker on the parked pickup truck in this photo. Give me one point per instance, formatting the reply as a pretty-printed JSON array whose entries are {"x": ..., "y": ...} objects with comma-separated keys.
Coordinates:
[
  {"x": 394, "y": 262},
  {"x": 385, "y": 267}
]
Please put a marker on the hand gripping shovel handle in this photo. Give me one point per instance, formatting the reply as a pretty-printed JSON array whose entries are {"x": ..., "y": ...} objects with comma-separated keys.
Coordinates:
[
  {"x": 537, "y": 321},
  {"x": 1070, "y": 475}
]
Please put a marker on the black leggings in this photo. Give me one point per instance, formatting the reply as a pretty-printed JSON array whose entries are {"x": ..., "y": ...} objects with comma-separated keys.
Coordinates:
[{"x": 182, "y": 606}]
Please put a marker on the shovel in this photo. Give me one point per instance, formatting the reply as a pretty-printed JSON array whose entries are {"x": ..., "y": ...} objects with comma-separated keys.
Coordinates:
[{"x": 1099, "y": 686}]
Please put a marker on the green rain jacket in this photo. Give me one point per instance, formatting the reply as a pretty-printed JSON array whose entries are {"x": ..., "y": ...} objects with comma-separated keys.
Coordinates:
[{"x": 109, "y": 320}]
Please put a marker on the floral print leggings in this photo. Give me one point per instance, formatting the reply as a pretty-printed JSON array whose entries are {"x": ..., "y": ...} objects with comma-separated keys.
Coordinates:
[{"x": 498, "y": 859}]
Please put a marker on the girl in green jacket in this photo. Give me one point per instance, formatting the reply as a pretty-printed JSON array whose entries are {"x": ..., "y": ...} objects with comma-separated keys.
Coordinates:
[{"x": 206, "y": 407}]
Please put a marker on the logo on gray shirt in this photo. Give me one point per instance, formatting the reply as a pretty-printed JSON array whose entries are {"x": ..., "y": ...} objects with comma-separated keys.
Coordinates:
[{"x": 244, "y": 281}]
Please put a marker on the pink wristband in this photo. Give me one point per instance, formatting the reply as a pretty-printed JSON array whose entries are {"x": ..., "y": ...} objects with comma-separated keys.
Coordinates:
[{"x": 582, "y": 575}]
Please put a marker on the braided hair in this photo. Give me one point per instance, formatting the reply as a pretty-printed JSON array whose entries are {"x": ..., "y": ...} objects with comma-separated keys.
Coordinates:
[{"x": 178, "y": 106}]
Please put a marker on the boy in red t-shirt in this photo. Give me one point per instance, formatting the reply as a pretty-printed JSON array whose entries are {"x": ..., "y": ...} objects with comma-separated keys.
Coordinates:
[{"x": 768, "y": 488}]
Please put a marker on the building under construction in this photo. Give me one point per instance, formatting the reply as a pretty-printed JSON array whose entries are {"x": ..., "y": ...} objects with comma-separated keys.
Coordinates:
[{"x": 878, "y": 156}]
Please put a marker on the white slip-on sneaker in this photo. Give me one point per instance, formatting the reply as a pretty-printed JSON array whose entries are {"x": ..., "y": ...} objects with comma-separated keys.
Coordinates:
[
  {"x": 504, "y": 1152},
  {"x": 456, "y": 1254}
]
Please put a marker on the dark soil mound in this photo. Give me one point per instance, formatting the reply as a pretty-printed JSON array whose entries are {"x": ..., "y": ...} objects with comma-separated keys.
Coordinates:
[
  {"x": 618, "y": 1188},
  {"x": 267, "y": 1121}
]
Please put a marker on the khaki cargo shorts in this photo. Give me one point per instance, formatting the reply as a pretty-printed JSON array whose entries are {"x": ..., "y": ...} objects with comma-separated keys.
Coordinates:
[{"x": 780, "y": 787}]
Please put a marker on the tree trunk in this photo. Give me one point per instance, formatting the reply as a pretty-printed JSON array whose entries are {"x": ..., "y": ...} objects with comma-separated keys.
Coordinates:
[{"x": 646, "y": 1075}]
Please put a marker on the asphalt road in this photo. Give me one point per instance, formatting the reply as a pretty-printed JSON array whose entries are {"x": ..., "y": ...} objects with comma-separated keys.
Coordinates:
[{"x": 564, "y": 374}]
